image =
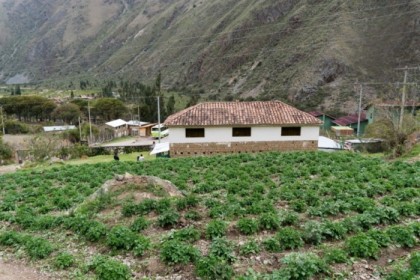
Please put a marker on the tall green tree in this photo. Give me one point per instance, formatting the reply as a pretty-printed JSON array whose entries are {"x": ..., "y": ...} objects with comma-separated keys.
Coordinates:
[
  {"x": 170, "y": 106},
  {"x": 69, "y": 113},
  {"x": 17, "y": 90}
]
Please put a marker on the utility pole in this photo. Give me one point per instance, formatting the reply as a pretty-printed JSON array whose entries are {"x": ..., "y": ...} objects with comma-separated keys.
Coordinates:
[
  {"x": 403, "y": 99},
  {"x": 360, "y": 110},
  {"x": 405, "y": 69},
  {"x": 90, "y": 125},
  {"x": 158, "y": 104},
  {"x": 2, "y": 120},
  {"x": 80, "y": 130}
]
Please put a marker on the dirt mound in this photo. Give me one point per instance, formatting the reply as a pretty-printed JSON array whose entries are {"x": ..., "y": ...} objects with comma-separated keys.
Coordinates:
[
  {"x": 136, "y": 187},
  {"x": 15, "y": 271}
]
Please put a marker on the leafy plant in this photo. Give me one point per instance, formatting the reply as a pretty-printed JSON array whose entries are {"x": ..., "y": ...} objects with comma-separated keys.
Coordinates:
[
  {"x": 121, "y": 237},
  {"x": 213, "y": 268},
  {"x": 335, "y": 255},
  {"x": 63, "y": 260},
  {"x": 223, "y": 249},
  {"x": 109, "y": 269},
  {"x": 269, "y": 221},
  {"x": 168, "y": 219},
  {"x": 414, "y": 262},
  {"x": 247, "y": 226},
  {"x": 381, "y": 237},
  {"x": 249, "y": 248},
  {"x": 139, "y": 224},
  {"x": 362, "y": 246},
  {"x": 300, "y": 266},
  {"x": 215, "y": 228},
  {"x": 402, "y": 235},
  {"x": 272, "y": 245},
  {"x": 38, "y": 248},
  {"x": 289, "y": 238},
  {"x": 174, "y": 252}
]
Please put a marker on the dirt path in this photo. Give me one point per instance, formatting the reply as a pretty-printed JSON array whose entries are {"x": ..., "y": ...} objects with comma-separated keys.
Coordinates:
[
  {"x": 8, "y": 169},
  {"x": 13, "y": 271}
]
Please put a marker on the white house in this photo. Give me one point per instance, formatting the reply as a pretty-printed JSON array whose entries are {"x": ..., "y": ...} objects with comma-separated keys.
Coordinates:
[
  {"x": 235, "y": 127},
  {"x": 119, "y": 127}
]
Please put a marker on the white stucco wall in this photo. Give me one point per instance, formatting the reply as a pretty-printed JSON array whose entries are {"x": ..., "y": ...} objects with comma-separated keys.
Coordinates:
[{"x": 260, "y": 133}]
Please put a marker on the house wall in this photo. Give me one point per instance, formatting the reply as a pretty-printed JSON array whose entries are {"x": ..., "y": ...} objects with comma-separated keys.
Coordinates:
[
  {"x": 224, "y": 134},
  {"x": 219, "y": 140}
]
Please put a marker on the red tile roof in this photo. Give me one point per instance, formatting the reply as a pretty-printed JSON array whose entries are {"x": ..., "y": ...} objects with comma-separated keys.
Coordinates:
[
  {"x": 320, "y": 114},
  {"x": 350, "y": 119},
  {"x": 241, "y": 113}
]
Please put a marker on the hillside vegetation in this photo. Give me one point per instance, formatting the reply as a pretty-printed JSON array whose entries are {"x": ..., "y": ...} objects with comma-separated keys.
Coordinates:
[
  {"x": 262, "y": 216},
  {"x": 307, "y": 51}
]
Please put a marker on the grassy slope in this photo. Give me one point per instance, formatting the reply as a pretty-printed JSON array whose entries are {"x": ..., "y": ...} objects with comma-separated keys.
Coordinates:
[{"x": 227, "y": 189}]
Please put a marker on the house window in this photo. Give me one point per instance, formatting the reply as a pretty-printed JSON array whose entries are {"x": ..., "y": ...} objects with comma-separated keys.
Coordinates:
[
  {"x": 241, "y": 131},
  {"x": 194, "y": 132},
  {"x": 290, "y": 131}
]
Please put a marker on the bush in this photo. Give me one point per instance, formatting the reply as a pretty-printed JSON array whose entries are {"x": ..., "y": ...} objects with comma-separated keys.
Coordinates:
[
  {"x": 121, "y": 237},
  {"x": 414, "y": 262},
  {"x": 95, "y": 231},
  {"x": 272, "y": 245},
  {"x": 168, "y": 219},
  {"x": 380, "y": 237},
  {"x": 289, "y": 238},
  {"x": 38, "y": 248},
  {"x": 213, "y": 268},
  {"x": 313, "y": 232},
  {"x": 139, "y": 224},
  {"x": 247, "y": 226},
  {"x": 401, "y": 274},
  {"x": 10, "y": 238},
  {"x": 300, "y": 266},
  {"x": 192, "y": 215},
  {"x": 174, "y": 252},
  {"x": 288, "y": 218},
  {"x": 362, "y": 246},
  {"x": 141, "y": 244},
  {"x": 186, "y": 202},
  {"x": 249, "y": 248},
  {"x": 333, "y": 230},
  {"x": 401, "y": 235},
  {"x": 187, "y": 234},
  {"x": 269, "y": 221},
  {"x": 335, "y": 255},
  {"x": 298, "y": 205},
  {"x": 222, "y": 249},
  {"x": 109, "y": 269},
  {"x": 63, "y": 260},
  {"x": 215, "y": 228}
]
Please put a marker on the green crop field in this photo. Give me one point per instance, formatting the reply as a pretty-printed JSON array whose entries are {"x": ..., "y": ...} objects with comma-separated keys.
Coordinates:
[{"x": 247, "y": 216}]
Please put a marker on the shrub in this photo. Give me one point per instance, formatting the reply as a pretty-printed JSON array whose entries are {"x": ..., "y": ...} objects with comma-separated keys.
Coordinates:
[
  {"x": 168, "y": 219},
  {"x": 362, "y": 246},
  {"x": 333, "y": 230},
  {"x": 213, "y": 268},
  {"x": 380, "y": 237},
  {"x": 121, "y": 237},
  {"x": 222, "y": 249},
  {"x": 10, "y": 238},
  {"x": 269, "y": 221},
  {"x": 335, "y": 255},
  {"x": 401, "y": 235},
  {"x": 288, "y": 218},
  {"x": 95, "y": 231},
  {"x": 247, "y": 226},
  {"x": 215, "y": 228},
  {"x": 249, "y": 248},
  {"x": 192, "y": 215},
  {"x": 401, "y": 274},
  {"x": 272, "y": 245},
  {"x": 63, "y": 260},
  {"x": 300, "y": 266},
  {"x": 298, "y": 205},
  {"x": 38, "y": 248},
  {"x": 313, "y": 232},
  {"x": 174, "y": 252},
  {"x": 414, "y": 262},
  {"x": 141, "y": 244},
  {"x": 187, "y": 202},
  {"x": 129, "y": 209},
  {"x": 289, "y": 238},
  {"x": 109, "y": 269},
  {"x": 139, "y": 224},
  {"x": 187, "y": 234},
  {"x": 163, "y": 205}
]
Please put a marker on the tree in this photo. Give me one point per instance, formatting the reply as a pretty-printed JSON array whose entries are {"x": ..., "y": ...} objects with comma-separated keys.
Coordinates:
[
  {"x": 69, "y": 113},
  {"x": 17, "y": 90},
  {"x": 6, "y": 152},
  {"x": 170, "y": 107},
  {"x": 109, "y": 108}
]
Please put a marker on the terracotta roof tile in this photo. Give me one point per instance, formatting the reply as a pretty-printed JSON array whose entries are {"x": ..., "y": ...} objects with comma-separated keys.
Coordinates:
[{"x": 241, "y": 113}]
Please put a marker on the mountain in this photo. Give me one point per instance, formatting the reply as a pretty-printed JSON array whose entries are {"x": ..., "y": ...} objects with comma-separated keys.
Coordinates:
[{"x": 309, "y": 52}]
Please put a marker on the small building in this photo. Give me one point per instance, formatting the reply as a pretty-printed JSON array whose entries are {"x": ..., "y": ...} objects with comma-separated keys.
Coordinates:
[
  {"x": 327, "y": 120},
  {"x": 368, "y": 145},
  {"x": 341, "y": 131},
  {"x": 119, "y": 127},
  {"x": 135, "y": 128},
  {"x": 390, "y": 110},
  {"x": 237, "y": 127},
  {"x": 352, "y": 121},
  {"x": 58, "y": 128}
]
